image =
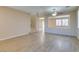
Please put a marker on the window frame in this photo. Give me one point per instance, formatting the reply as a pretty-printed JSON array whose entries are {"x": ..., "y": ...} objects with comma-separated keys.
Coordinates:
[{"x": 61, "y": 18}]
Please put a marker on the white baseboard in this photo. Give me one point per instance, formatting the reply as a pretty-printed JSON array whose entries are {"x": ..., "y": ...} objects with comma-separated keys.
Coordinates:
[{"x": 14, "y": 36}]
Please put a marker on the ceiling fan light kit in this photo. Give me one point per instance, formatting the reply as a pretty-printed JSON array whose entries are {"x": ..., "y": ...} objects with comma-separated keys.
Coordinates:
[{"x": 54, "y": 12}]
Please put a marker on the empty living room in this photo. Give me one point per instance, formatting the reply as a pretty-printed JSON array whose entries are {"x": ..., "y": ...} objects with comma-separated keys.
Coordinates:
[{"x": 39, "y": 29}]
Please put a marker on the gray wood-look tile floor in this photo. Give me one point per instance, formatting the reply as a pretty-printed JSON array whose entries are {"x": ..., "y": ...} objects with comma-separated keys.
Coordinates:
[{"x": 40, "y": 42}]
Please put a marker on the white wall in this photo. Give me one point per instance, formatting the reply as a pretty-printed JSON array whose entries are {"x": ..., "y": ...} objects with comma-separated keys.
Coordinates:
[
  {"x": 38, "y": 24},
  {"x": 65, "y": 31},
  {"x": 78, "y": 24},
  {"x": 78, "y": 34},
  {"x": 13, "y": 23}
]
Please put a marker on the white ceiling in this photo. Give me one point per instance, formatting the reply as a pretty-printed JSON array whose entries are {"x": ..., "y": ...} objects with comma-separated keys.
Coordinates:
[{"x": 44, "y": 9}]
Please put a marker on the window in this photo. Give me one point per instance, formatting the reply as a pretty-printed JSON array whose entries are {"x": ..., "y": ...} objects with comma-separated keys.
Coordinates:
[
  {"x": 62, "y": 22},
  {"x": 58, "y": 22}
]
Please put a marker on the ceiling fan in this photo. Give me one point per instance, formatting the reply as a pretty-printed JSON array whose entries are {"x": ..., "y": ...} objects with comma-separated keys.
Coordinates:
[{"x": 54, "y": 12}]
